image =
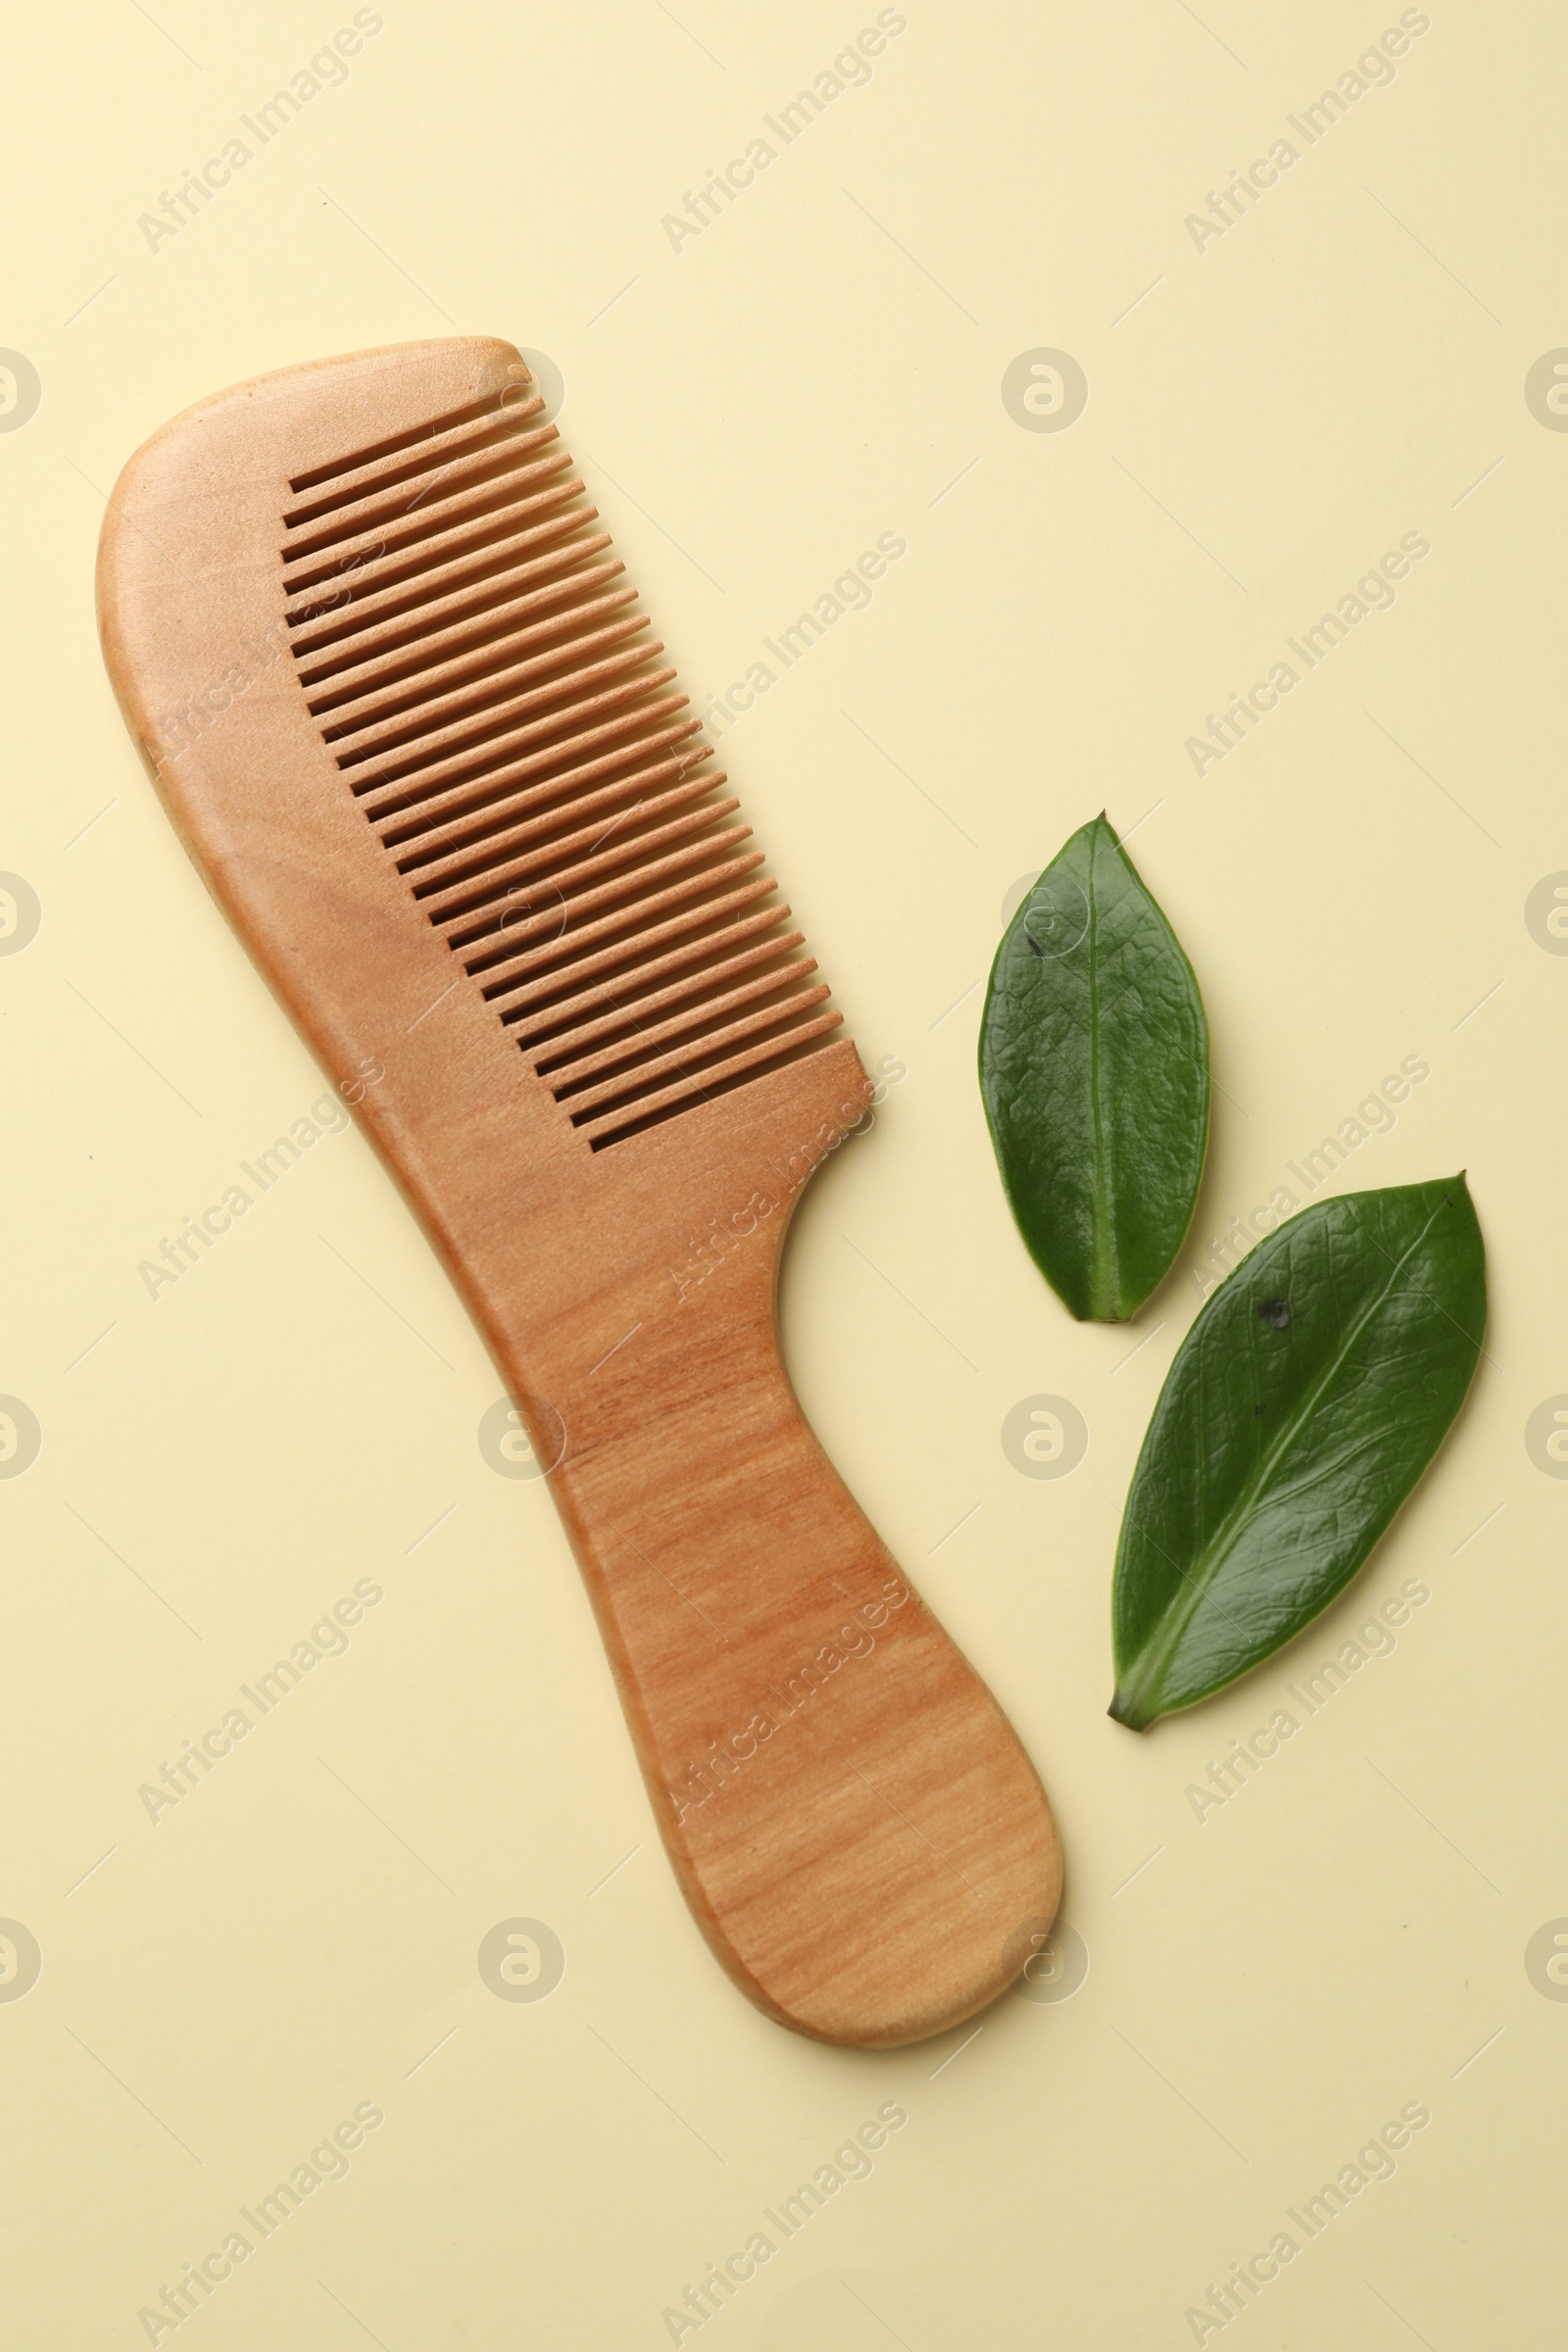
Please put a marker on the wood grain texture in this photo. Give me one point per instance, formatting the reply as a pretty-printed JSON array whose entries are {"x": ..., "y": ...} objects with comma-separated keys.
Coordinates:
[{"x": 409, "y": 719}]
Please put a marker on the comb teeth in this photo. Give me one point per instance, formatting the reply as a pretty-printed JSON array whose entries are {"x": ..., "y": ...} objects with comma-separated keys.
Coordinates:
[{"x": 480, "y": 672}]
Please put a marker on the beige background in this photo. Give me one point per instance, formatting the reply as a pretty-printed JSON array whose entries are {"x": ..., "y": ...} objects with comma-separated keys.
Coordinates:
[{"x": 820, "y": 365}]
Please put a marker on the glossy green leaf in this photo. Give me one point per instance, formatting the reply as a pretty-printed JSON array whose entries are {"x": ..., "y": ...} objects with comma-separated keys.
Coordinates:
[
  {"x": 1094, "y": 1066},
  {"x": 1314, "y": 1389}
]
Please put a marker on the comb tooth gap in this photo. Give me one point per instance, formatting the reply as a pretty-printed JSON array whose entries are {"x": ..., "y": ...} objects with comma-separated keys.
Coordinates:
[
  {"x": 588, "y": 827},
  {"x": 451, "y": 750},
  {"x": 616, "y": 936},
  {"x": 589, "y": 812},
  {"x": 586, "y": 1099},
  {"x": 487, "y": 635},
  {"x": 720, "y": 1078},
  {"x": 558, "y": 804},
  {"x": 431, "y": 457},
  {"x": 545, "y": 642},
  {"x": 567, "y": 691},
  {"x": 489, "y": 608},
  {"x": 615, "y": 974},
  {"x": 554, "y": 865},
  {"x": 620, "y": 963},
  {"x": 462, "y": 786},
  {"x": 370, "y": 593},
  {"x": 577, "y": 889},
  {"x": 380, "y": 558},
  {"x": 476, "y": 671},
  {"x": 521, "y": 785},
  {"x": 385, "y": 497},
  {"x": 457, "y": 754},
  {"x": 371, "y": 596},
  {"x": 498, "y": 850},
  {"x": 486, "y": 882},
  {"x": 482, "y": 683},
  {"x": 556, "y": 1039},
  {"x": 493, "y": 404},
  {"x": 540, "y": 920},
  {"x": 591, "y": 821},
  {"x": 771, "y": 991},
  {"x": 306, "y": 567},
  {"x": 479, "y": 495},
  {"x": 387, "y": 550},
  {"x": 554, "y": 566}
]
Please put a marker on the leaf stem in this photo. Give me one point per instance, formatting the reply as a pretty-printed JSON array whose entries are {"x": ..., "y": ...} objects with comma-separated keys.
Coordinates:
[{"x": 1129, "y": 1707}]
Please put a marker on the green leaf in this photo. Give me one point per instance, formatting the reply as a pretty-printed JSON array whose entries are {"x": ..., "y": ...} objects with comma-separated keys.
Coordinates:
[
  {"x": 1094, "y": 1066},
  {"x": 1306, "y": 1400}
]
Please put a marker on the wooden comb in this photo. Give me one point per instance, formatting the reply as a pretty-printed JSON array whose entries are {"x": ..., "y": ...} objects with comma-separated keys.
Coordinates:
[{"x": 406, "y": 714}]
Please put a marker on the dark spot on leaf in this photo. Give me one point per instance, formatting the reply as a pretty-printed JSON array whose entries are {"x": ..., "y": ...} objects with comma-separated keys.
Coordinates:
[
  {"x": 1275, "y": 1312},
  {"x": 1257, "y": 1412}
]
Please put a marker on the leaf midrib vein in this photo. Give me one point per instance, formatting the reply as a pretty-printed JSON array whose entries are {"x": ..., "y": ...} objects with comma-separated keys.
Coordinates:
[
  {"x": 1340, "y": 1462},
  {"x": 1103, "y": 1286},
  {"x": 1201, "y": 1576}
]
